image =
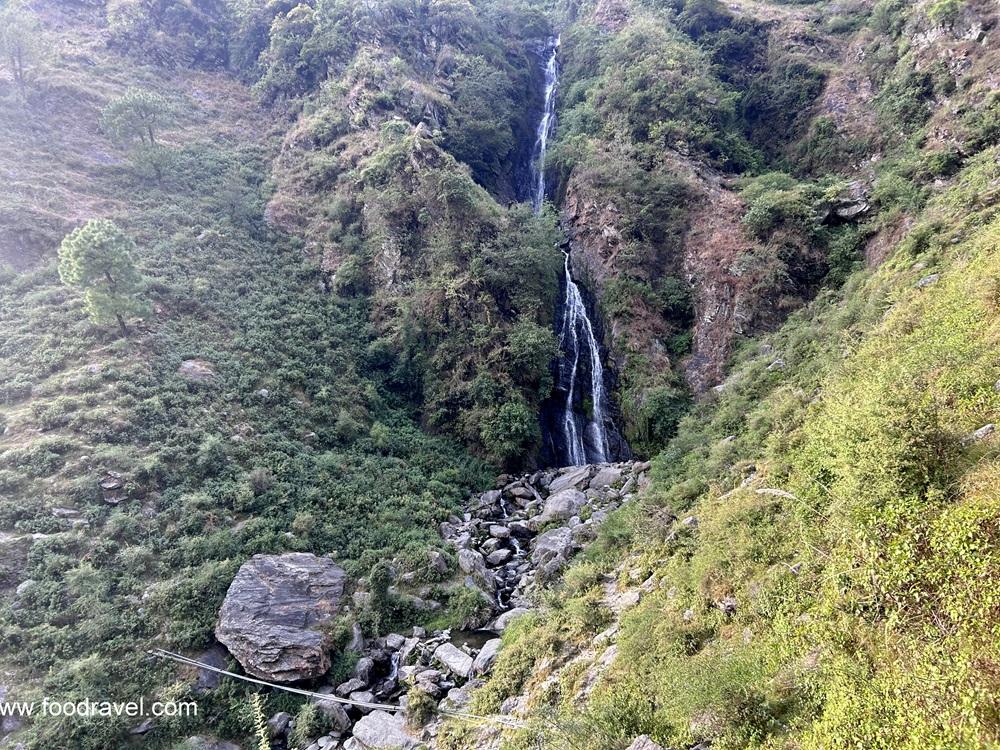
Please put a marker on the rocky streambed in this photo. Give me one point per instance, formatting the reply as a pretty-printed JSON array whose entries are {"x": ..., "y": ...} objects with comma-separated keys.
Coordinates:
[{"x": 511, "y": 541}]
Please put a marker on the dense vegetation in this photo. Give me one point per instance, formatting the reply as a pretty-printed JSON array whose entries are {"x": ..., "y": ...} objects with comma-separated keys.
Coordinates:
[
  {"x": 285, "y": 298},
  {"x": 835, "y": 590}
]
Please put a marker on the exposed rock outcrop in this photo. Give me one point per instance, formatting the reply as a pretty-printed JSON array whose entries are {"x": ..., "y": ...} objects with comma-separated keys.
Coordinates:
[{"x": 197, "y": 370}]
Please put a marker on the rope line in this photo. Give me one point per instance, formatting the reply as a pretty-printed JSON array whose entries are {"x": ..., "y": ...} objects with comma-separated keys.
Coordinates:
[{"x": 181, "y": 659}]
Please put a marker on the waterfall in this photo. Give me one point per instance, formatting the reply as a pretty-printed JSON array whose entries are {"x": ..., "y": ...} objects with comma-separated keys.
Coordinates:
[
  {"x": 546, "y": 125},
  {"x": 584, "y": 437}
]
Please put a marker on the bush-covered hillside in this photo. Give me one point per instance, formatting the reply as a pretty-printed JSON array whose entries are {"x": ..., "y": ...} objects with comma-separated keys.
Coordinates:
[
  {"x": 836, "y": 588},
  {"x": 269, "y": 283},
  {"x": 814, "y": 564}
]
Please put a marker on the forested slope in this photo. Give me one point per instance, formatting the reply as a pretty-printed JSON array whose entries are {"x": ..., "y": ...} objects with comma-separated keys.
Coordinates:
[
  {"x": 813, "y": 565},
  {"x": 784, "y": 214}
]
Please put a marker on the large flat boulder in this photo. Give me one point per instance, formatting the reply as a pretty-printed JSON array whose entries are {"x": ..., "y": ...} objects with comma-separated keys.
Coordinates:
[
  {"x": 577, "y": 477},
  {"x": 457, "y": 661},
  {"x": 380, "y": 730},
  {"x": 607, "y": 476},
  {"x": 272, "y": 616}
]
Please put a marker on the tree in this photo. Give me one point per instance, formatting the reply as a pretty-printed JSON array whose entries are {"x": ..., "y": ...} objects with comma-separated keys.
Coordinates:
[
  {"x": 22, "y": 48},
  {"x": 97, "y": 257},
  {"x": 137, "y": 114},
  {"x": 508, "y": 430}
]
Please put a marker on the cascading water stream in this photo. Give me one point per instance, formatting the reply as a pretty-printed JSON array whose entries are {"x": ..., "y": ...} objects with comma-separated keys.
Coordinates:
[{"x": 584, "y": 437}]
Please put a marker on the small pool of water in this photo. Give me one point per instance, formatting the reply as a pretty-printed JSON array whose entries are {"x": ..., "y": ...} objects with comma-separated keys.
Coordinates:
[{"x": 471, "y": 638}]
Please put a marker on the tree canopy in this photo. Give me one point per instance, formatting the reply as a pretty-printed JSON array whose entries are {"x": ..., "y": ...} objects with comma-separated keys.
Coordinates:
[
  {"x": 22, "y": 48},
  {"x": 97, "y": 258},
  {"x": 136, "y": 115}
]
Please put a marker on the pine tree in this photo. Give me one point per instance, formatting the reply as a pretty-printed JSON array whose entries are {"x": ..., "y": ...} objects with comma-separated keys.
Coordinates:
[
  {"x": 137, "y": 114},
  {"x": 22, "y": 48},
  {"x": 97, "y": 257}
]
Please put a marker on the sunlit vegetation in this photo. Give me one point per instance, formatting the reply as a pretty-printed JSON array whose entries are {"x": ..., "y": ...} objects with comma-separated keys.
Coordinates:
[
  {"x": 266, "y": 276},
  {"x": 844, "y": 505}
]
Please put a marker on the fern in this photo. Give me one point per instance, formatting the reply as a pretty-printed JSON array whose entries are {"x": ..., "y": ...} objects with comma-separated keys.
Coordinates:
[{"x": 259, "y": 717}]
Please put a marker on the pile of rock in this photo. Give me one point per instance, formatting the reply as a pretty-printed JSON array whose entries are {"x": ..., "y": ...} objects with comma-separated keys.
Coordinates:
[
  {"x": 510, "y": 541},
  {"x": 521, "y": 534},
  {"x": 382, "y": 678}
]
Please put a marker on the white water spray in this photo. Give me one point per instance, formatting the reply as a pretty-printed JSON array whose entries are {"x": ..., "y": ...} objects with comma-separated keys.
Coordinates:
[{"x": 576, "y": 333}]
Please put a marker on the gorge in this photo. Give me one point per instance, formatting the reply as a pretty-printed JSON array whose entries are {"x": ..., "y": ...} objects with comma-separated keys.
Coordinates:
[{"x": 500, "y": 375}]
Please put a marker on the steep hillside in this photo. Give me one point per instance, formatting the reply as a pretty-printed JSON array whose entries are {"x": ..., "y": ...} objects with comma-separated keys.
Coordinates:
[
  {"x": 812, "y": 566},
  {"x": 241, "y": 415},
  {"x": 330, "y": 318}
]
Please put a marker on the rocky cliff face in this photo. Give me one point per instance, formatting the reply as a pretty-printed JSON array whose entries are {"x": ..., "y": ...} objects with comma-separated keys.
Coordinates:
[
  {"x": 842, "y": 131},
  {"x": 731, "y": 296}
]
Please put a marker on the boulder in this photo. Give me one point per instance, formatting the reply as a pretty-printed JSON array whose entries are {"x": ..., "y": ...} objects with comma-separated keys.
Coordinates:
[
  {"x": 362, "y": 696},
  {"x": 583, "y": 533},
  {"x": 484, "y": 660},
  {"x": 928, "y": 280},
  {"x": 981, "y": 434},
  {"x": 207, "y": 680},
  {"x": 277, "y": 725},
  {"x": 454, "y": 659},
  {"x": 490, "y": 546},
  {"x": 609, "y": 476},
  {"x": 643, "y": 742},
  {"x": 561, "y": 506},
  {"x": 363, "y": 669},
  {"x": 459, "y": 698},
  {"x": 438, "y": 562},
  {"x": 520, "y": 530},
  {"x": 471, "y": 563},
  {"x": 501, "y": 623},
  {"x": 113, "y": 487},
  {"x": 380, "y": 730},
  {"x": 575, "y": 477},
  {"x": 274, "y": 611},
  {"x": 407, "y": 649},
  {"x": 551, "y": 552},
  {"x": 334, "y": 711},
  {"x": 499, "y": 557},
  {"x": 344, "y": 689},
  {"x": 429, "y": 681},
  {"x": 197, "y": 370}
]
